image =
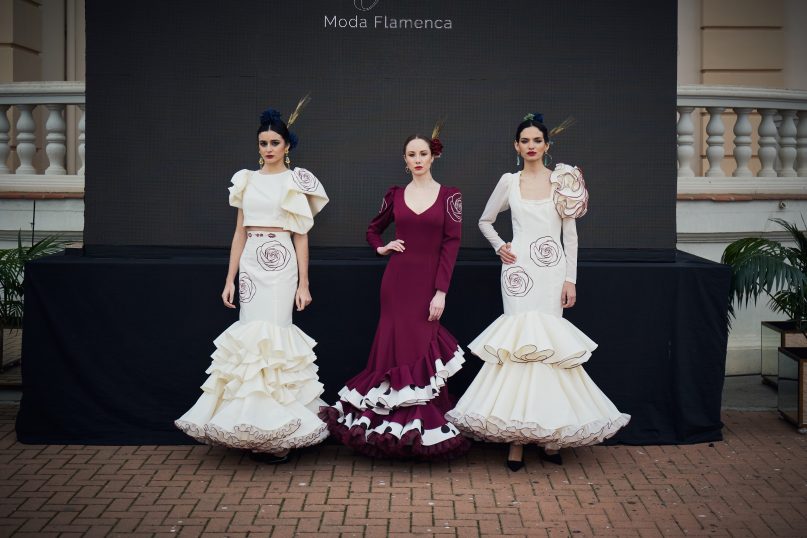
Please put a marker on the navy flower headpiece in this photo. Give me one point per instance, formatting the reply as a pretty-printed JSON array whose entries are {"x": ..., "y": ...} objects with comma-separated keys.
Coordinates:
[
  {"x": 272, "y": 116},
  {"x": 534, "y": 116}
]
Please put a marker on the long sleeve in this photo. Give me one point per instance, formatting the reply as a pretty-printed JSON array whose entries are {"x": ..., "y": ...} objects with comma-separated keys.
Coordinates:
[
  {"x": 381, "y": 220},
  {"x": 452, "y": 234},
  {"x": 498, "y": 202},
  {"x": 570, "y": 248}
]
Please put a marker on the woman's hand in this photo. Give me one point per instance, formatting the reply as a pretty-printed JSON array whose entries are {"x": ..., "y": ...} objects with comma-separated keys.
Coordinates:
[
  {"x": 302, "y": 298},
  {"x": 396, "y": 245},
  {"x": 506, "y": 254},
  {"x": 437, "y": 305},
  {"x": 228, "y": 293},
  {"x": 569, "y": 295}
]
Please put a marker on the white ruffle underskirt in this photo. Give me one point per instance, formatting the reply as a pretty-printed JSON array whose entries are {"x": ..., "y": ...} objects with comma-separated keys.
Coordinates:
[
  {"x": 383, "y": 399},
  {"x": 262, "y": 393},
  {"x": 532, "y": 387}
]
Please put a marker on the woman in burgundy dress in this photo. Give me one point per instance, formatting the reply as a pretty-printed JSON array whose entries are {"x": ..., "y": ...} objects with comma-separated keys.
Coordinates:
[{"x": 395, "y": 407}]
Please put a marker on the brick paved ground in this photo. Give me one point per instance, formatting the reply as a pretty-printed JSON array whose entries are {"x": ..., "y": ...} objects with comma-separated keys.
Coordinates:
[{"x": 752, "y": 484}]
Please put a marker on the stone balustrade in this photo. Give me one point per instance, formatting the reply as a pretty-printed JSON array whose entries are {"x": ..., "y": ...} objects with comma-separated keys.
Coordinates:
[
  {"x": 18, "y": 145},
  {"x": 781, "y": 140}
]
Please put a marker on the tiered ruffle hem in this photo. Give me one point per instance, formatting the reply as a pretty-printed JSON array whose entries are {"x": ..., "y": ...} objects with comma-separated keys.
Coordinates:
[
  {"x": 262, "y": 393},
  {"x": 399, "y": 412},
  {"x": 532, "y": 388}
]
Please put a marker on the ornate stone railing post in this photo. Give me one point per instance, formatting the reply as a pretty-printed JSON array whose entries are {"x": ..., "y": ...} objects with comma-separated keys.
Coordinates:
[
  {"x": 715, "y": 140},
  {"x": 742, "y": 142},
  {"x": 686, "y": 141},
  {"x": 81, "y": 139},
  {"x": 55, "y": 139},
  {"x": 26, "y": 135},
  {"x": 767, "y": 142},
  {"x": 787, "y": 143},
  {"x": 5, "y": 149},
  {"x": 801, "y": 145}
]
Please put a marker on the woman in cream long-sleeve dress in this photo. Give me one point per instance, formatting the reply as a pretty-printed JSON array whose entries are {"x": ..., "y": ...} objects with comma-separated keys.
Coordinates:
[{"x": 532, "y": 387}]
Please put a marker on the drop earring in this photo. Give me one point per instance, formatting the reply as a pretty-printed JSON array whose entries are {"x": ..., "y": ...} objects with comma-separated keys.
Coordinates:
[
  {"x": 260, "y": 161},
  {"x": 288, "y": 161},
  {"x": 407, "y": 171},
  {"x": 518, "y": 159},
  {"x": 547, "y": 158}
]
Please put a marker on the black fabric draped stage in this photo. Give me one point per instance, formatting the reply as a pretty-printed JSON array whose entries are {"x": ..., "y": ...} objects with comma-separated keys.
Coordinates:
[{"x": 116, "y": 347}]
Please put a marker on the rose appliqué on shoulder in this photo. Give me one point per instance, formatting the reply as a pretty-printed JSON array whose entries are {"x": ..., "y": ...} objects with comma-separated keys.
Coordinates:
[
  {"x": 273, "y": 256},
  {"x": 246, "y": 288},
  {"x": 454, "y": 206},
  {"x": 545, "y": 252},
  {"x": 569, "y": 195},
  {"x": 516, "y": 282},
  {"x": 305, "y": 180}
]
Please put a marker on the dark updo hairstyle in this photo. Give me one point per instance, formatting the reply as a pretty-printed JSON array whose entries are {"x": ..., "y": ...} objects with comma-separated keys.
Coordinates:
[
  {"x": 435, "y": 146},
  {"x": 272, "y": 121},
  {"x": 533, "y": 120}
]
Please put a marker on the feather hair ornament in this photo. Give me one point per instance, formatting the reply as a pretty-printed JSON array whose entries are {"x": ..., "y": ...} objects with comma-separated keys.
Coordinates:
[
  {"x": 438, "y": 127},
  {"x": 300, "y": 106},
  {"x": 565, "y": 124}
]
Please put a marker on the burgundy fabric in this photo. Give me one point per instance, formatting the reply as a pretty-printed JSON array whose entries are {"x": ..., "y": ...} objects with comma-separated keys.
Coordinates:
[
  {"x": 407, "y": 345},
  {"x": 434, "y": 234},
  {"x": 418, "y": 371},
  {"x": 386, "y": 445}
]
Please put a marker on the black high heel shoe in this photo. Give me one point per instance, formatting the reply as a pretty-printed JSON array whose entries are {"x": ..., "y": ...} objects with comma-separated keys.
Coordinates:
[
  {"x": 551, "y": 458},
  {"x": 265, "y": 457},
  {"x": 515, "y": 465}
]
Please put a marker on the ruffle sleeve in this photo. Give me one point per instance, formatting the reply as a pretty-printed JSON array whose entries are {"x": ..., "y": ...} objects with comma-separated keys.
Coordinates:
[
  {"x": 304, "y": 198},
  {"x": 569, "y": 193},
  {"x": 239, "y": 183}
]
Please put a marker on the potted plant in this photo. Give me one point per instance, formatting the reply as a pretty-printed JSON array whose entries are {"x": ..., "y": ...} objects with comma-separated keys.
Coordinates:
[
  {"x": 766, "y": 267},
  {"x": 12, "y": 267}
]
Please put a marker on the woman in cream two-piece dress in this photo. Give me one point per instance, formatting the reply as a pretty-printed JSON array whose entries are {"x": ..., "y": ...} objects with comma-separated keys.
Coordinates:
[{"x": 263, "y": 392}]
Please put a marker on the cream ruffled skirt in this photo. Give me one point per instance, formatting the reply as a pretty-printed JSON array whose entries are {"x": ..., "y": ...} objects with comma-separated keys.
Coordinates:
[
  {"x": 532, "y": 387},
  {"x": 263, "y": 392}
]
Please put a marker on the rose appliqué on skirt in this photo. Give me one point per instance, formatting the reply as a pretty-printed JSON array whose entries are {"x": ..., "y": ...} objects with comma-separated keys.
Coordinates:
[
  {"x": 246, "y": 288},
  {"x": 454, "y": 206},
  {"x": 516, "y": 282},
  {"x": 545, "y": 252},
  {"x": 305, "y": 180},
  {"x": 273, "y": 256}
]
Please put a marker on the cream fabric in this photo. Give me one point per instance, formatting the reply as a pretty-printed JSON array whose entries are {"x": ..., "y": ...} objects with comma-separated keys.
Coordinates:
[{"x": 262, "y": 393}]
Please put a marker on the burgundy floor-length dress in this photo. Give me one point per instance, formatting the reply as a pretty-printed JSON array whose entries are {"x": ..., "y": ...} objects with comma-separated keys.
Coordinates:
[{"x": 396, "y": 406}]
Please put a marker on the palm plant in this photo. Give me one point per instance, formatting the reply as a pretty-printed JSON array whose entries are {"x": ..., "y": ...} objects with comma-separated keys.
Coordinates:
[
  {"x": 12, "y": 267},
  {"x": 763, "y": 266}
]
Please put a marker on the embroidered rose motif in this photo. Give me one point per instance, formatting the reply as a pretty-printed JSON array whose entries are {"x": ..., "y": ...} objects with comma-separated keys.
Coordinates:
[
  {"x": 454, "y": 206},
  {"x": 545, "y": 252},
  {"x": 273, "y": 256},
  {"x": 516, "y": 282},
  {"x": 246, "y": 288},
  {"x": 305, "y": 180},
  {"x": 569, "y": 193}
]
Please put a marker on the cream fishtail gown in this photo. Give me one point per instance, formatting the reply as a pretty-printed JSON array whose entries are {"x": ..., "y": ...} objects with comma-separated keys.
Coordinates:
[
  {"x": 263, "y": 392},
  {"x": 532, "y": 387}
]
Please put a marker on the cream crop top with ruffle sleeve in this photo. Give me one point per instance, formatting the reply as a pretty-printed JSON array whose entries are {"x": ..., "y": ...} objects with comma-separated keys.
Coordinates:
[{"x": 287, "y": 200}]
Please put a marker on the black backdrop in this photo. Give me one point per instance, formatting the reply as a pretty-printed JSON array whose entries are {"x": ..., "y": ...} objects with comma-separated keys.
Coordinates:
[
  {"x": 174, "y": 90},
  {"x": 117, "y": 359}
]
